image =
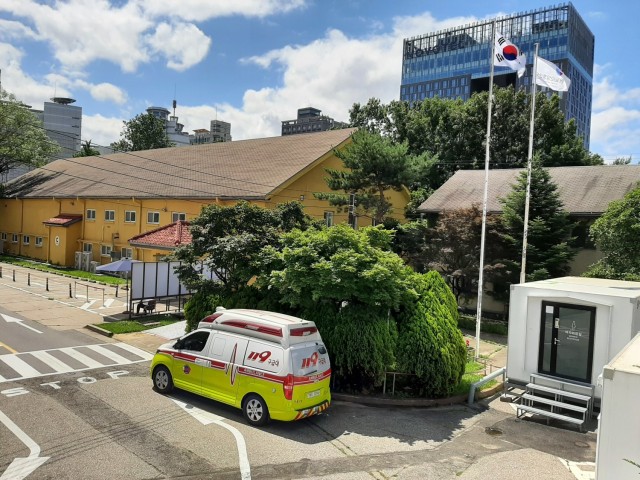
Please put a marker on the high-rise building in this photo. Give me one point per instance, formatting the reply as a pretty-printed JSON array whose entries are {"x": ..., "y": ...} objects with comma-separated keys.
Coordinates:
[
  {"x": 454, "y": 63},
  {"x": 220, "y": 132},
  {"x": 171, "y": 125},
  {"x": 310, "y": 120},
  {"x": 62, "y": 123}
]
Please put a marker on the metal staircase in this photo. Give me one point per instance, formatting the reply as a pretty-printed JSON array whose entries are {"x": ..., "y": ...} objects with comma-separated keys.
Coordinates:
[{"x": 557, "y": 399}]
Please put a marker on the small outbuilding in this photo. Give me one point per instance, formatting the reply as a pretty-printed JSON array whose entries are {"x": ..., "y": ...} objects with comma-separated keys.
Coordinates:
[{"x": 569, "y": 328}]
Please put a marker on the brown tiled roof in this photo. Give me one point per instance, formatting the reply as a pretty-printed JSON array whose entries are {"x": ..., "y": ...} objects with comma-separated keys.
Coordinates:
[
  {"x": 249, "y": 169},
  {"x": 583, "y": 190},
  {"x": 168, "y": 236},
  {"x": 63, "y": 220}
]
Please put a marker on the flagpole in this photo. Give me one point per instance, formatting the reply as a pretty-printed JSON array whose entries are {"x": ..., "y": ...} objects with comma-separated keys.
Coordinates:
[
  {"x": 523, "y": 270},
  {"x": 486, "y": 188}
]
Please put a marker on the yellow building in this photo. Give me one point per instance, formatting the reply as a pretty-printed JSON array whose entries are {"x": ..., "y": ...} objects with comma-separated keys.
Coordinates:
[{"x": 96, "y": 204}]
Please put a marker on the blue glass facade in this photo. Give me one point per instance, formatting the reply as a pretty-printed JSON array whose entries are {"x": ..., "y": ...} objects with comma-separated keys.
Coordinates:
[{"x": 454, "y": 63}]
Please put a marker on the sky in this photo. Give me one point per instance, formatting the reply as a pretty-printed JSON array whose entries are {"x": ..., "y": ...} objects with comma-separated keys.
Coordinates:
[{"x": 253, "y": 63}]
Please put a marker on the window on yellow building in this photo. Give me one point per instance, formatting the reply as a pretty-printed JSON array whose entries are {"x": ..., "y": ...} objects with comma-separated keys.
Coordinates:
[
  {"x": 87, "y": 247},
  {"x": 38, "y": 241},
  {"x": 26, "y": 239},
  {"x": 153, "y": 217},
  {"x": 127, "y": 253},
  {"x": 105, "y": 250},
  {"x": 14, "y": 238},
  {"x": 328, "y": 218},
  {"x": 109, "y": 215},
  {"x": 175, "y": 216},
  {"x": 3, "y": 236},
  {"x": 130, "y": 216},
  {"x": 91, "y": 214}
]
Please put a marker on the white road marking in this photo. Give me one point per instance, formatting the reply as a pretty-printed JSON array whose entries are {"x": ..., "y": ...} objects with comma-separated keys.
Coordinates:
[
  {"x": 53, "y": 362},
  {"x": 10, "y": 319},
  {"x": 207, "y": 418},
  {"x": 105, "y": 352},
  {"x": 22, "y": 466},
  {"x": 20, "y": 366},
  {"x": 107, "y": 303},
  {"x": 88, "y": 305},
  {"x": 135, "y": 350},
  {"x": 81, "y": 357}
]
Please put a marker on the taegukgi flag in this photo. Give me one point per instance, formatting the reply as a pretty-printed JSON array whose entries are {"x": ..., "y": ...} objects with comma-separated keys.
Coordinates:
[
  {"x": 508, "y": 55},
  {"x": 549, "y": 75}
]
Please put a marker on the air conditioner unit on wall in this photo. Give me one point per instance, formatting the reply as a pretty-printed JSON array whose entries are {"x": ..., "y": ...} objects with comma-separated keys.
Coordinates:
[
  {"x": 92, "y": 266},
  {"x": 78, "y": 262},
  {"x": 86, "y": 259}
]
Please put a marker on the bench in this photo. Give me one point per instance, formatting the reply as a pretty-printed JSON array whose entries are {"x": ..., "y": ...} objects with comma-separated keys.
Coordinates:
[
  {"x": 558, "y": 393},
  {"x": 554, "y": 403},
  {"x": 548, "y": 414}
]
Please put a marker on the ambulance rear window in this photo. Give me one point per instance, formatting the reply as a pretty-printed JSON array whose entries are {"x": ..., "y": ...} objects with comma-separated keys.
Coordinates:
[
  {"x": 264, "y": 357},
  {"x": 309, "y": 359}
]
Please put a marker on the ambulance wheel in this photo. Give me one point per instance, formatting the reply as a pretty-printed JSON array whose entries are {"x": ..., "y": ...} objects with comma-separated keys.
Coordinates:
[
  {"x": 255, "y": 410},
  {"x": 162, "y": 380}
]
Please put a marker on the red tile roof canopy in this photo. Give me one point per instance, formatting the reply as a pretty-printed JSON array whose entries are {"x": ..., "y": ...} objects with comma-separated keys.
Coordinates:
[
  {"x": 165, "y": 237},
  {"x": 63, "y": 220}
]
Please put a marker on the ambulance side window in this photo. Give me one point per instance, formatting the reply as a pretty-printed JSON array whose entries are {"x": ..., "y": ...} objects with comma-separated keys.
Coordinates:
[
  {"x": 218, "y": 346},
  {"x": 194, "y": 342}
]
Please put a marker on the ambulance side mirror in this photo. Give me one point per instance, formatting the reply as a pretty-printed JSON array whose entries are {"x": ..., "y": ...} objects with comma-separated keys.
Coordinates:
[{"x": 322, "y": 350}]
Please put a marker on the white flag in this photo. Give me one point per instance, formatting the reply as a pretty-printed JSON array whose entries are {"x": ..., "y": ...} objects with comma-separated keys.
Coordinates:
[
  {"x": 508, "y": 55},
  {"x": 549, "y": 75}
]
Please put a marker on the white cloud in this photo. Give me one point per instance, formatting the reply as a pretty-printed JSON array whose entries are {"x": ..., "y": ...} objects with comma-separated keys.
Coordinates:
[
  {"x": 12, "y": 29},
  {"x": 107, "y": 92},
  {"x": 199, "y": 10},
  {"x": 183, "y": 44},
  {"x": 101, "y": 130}
]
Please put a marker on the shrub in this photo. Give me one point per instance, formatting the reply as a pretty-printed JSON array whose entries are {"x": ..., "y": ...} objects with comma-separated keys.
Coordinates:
[
  {"x": 199, "y": 306},
  {"x": 430, "y": 345}
]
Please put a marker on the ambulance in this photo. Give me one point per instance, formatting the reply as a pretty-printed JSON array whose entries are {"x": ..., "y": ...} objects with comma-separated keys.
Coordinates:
[{"x": 270, "y": 365}]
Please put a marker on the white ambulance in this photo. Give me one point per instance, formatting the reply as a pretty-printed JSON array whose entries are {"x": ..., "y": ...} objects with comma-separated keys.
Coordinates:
[{"x": 271, "y": 365}]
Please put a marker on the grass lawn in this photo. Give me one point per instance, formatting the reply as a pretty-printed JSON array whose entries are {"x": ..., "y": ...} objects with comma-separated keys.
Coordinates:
[
  {"x": 473, "y": 372},
  {"x": 44, "y": 267},
  {"x": 129, "y": 326}
]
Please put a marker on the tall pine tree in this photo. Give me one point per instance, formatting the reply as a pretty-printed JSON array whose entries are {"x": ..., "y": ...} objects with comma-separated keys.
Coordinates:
[{"x": 549, "y": 237}]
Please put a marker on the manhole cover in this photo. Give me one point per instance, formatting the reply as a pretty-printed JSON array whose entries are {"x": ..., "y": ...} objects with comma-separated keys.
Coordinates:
[
  {"x": 493, "y": 431},
  {"x": 581, "y": 444}
]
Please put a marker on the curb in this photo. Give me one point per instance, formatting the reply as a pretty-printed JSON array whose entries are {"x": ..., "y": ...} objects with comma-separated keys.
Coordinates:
[
  {"x": 99, "y": 330},
  {"x": 404, "y": 402}
]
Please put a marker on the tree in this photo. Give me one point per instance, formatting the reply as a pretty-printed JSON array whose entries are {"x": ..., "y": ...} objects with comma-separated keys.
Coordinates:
[
  {"x": 142, "y": 132},
  {"x": 87, "y": 150},
  {"x": 23, "y": 141},
  {"x": 227, "y": 240},
  {"x": 430, "y": 344},
  {"x": 549, "y": 237},
  {"x": 373, "y": 164},
  {"x": 616, "y": 235},
  {"x": 622, "y": 161}
]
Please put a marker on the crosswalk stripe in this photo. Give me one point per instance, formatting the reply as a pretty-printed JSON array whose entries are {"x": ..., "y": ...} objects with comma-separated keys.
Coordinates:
[
  {"x": 81, "y": 357},
  {"x": 119, "y": 359},
  {"x": 20, "y": 366},
  {"x": 135, "y": 350},
  {"x": 53, "y": 362}
]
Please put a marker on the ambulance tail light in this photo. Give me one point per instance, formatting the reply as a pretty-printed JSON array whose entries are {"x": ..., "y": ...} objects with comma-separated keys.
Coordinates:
[
  {"x": 288, "y": 387},
  {"x": 211, "y": 318}
]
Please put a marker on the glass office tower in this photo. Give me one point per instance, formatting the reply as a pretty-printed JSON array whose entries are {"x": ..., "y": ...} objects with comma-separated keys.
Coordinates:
[{"x": 454, "y": 63}]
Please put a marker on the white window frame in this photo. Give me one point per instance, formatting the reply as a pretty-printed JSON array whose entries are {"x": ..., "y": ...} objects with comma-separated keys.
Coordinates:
[
  {"x": 109, "y": 215},
  {"x": 87, "y": 247},
  {"x": 105, "y": 250},
  {"x": 126, "y": 252},
  {"x": 151, "y": 218},
  {"x": 26, "y": 240},
  {"x": 91, "y": 214},
  {"x": 3, "y": 236},
  {"x": 328, "y": 218},
  {"x": 39, "y": 241},
  {"x": 130, "y": 216},
  {"x": 14, "y": 238},
  {"x": 180, "y": 216}
]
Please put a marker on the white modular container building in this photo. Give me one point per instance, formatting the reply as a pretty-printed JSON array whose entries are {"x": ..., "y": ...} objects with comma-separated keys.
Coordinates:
[
  {"x": 569, "y": 328},
  {"x": 618, "y": 450}
]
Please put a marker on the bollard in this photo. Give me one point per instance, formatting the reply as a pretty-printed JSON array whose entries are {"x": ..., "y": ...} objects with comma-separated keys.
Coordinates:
[
  {"x": 117, "y": 291},
  {"x": 47, "y": 284},
  {"x": 0, "y": 272},
  {"x": 29, "y": 278},
  {"x": 70, "y": 294},
  {"x": 14, "y": 275}
]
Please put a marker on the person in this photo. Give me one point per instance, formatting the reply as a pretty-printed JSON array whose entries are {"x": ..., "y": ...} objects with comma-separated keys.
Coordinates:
[{"x": 141, "y": 305}]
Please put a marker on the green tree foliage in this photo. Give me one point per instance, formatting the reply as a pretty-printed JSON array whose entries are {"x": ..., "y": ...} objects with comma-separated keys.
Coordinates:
[
  {"x": 23, "y": 140},
  {"x": 201, "y": 304},
  {"x": 549, "y": 237},
  {"x": 622, "y": 161},
  {"x": 142, "y": 132},
  {"x": 87, "y": 150},
  {"x": 430, "y": 345},
  {"x": 227, "y": 240},
  {"x": 451, "y": 133},
  {"x": 616, "y": 235},
  {"x": 373, "y": 164}
]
